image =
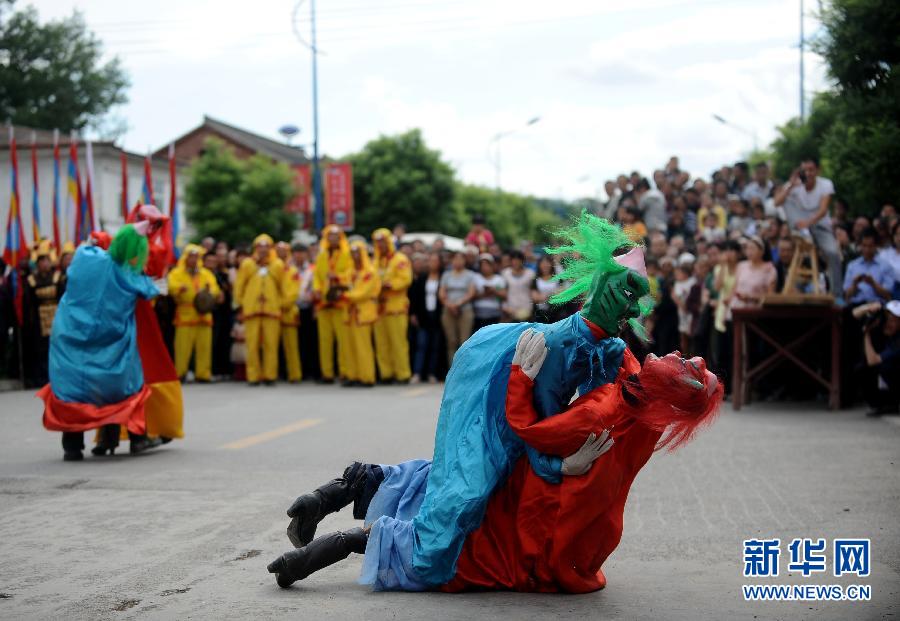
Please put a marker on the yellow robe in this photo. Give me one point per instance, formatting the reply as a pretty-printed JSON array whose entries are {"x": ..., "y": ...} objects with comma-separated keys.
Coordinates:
[
  {"x": 193, "y": 331},
  {"x": 258, "y": 293},
  {"x": 332, "y": 269},
  {"x": 391, "y": 340},
  {"x": 361, "y": 315},
  {"x": 290, "y": 320}
]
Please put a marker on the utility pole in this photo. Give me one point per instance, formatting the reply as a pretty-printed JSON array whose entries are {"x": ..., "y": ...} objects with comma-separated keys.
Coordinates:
[
  {"x": 319, "y": 218},
  {"x": 319, "y": 213},
  {"x": 802, "y": 44}
]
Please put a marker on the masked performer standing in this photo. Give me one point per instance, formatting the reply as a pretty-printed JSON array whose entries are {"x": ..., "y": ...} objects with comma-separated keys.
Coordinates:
[
  {"x": 96, "y": 378},
  {"x": 165, "y": 407}
]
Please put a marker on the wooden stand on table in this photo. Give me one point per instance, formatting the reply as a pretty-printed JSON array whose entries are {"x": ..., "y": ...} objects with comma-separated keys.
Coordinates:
[{"x": 798, "y": 273}]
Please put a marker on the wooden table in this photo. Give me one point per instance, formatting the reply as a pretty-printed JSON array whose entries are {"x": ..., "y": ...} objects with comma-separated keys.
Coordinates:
[{"x": 810, "y": 321}]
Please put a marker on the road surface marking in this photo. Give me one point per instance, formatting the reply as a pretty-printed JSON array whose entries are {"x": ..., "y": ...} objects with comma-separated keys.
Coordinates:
[
  {"x": 416, "y": 392},
  {"x": 259, "y": 438}
]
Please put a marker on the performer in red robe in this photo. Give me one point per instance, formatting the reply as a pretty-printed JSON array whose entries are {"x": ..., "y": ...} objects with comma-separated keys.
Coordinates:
[
  {"x": 541, "y": 537},
  {"x": 536, "y": 536}
]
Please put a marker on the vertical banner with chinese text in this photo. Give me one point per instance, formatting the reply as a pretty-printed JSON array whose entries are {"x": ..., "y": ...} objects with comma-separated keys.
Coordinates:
[
  {"x": 339, "y": 195},
  {"x": 302, "y": 205}
]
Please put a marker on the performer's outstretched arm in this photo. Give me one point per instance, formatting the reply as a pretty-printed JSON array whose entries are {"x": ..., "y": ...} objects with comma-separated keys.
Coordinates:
[{"x": 563, "y": 434}]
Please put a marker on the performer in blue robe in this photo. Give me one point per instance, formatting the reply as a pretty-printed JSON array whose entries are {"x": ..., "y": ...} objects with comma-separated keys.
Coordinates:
[{"x": 475, "y": 448}]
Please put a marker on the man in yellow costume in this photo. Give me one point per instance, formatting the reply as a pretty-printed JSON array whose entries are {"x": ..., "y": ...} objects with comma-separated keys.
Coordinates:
[
  {"x": 391, "y": 341},
  {"x": 193, "y": 287},
  {"x": 362, "y": 314},
  {"x": 290, "y": 313},
  {"x": 258, "y": 295},
  {"x": 331, "y": 277}
]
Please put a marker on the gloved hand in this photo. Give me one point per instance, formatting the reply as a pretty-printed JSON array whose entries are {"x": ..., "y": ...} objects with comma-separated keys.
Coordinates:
[
  {"x": 530, "y": 352},
  {"x": 163, "y": 285},
  {"x": 581, "y": 460}
]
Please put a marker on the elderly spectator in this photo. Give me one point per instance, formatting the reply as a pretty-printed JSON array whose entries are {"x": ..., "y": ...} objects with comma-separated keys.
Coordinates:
[
  {"x": 652, "y": 206},
  {"x": 868, "y": 279},
  {"x": 806, "y": 197}
]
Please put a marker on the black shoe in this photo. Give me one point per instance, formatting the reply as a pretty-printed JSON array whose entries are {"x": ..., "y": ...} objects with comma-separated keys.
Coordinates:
[
  {"x": 349, "y": 383},
  {"x": 320, "y": 553},
  {"x": 403, "y": 382},
  {"x": 73, "y": 456},
  {"x": 387, "y": 381},
  {"x": 252, "y": 383},
  {"x": 100, "y": 450},
  {"x": 325, "y": 380},
  {"x": 365, "y": 385},
  {"x": 164, "y": 439},
  {"x": 309, "y": 509},
  {"x": 143, "y": 443},
  {"x": 269, "y": 382}
]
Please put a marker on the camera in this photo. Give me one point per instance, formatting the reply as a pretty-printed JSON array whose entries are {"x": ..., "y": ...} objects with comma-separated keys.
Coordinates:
[{"x": 802, "y": 176}]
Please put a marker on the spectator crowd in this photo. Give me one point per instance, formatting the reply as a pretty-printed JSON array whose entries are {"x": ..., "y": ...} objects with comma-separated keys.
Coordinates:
[{"x": 391, "y": 309}]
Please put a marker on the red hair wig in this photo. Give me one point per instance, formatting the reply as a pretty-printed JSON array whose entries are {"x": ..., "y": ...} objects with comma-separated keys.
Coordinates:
[{"x": 676, "y": 397}]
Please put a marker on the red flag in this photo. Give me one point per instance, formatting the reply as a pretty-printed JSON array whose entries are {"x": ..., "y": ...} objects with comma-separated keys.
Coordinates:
[
  {"x": 88, "y": 194},
  {"x": 35, "y": 205},
  {"x": 124, "y": 186},
  {"x": 147, "y": 190},
  {"x": 339, "y": 195}
]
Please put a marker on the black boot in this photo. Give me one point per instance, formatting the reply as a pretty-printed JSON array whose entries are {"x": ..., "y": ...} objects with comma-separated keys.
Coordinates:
[
  {"x": 320, "y": 553},
  {"x": 308, "y": 510}
]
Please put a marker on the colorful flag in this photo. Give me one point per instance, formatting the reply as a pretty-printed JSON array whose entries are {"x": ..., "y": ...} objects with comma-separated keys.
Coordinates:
[
  {"x": 86, "y": 221},
  {"x": 56, "y": 239},
  {"x": 35, "y": 205},
  {"x": 147, "y": 189},
  {"x": 173, "y": 197},
  {"x": 16, "y": 248},
  {"x": 73, "y": 204},
  {"x": 124, "y": 186}
]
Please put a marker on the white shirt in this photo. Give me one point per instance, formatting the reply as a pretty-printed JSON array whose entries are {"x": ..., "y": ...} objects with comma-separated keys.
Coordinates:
[
  {"x": 489, "y": 306},
  {"x": 891, "y": 258},
  {"x": 808, "y": 200},
  {"x": 754, "y": 190},
  {"x": 431, "y": 294}
]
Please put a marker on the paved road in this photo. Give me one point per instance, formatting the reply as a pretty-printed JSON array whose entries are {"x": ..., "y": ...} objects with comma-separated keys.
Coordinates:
[{"x": 186, "y": 532}]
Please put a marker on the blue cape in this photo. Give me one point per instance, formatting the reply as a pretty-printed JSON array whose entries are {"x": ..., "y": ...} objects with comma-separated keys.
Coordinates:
[
  {"x": 93, "y": 345},
  {"x": 475, "y": 449}
]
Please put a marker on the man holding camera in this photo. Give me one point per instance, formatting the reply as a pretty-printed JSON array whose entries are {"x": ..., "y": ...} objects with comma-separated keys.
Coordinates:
[
  {"x": 881, "y": 371},
  {"x": 806, "y": 197}
]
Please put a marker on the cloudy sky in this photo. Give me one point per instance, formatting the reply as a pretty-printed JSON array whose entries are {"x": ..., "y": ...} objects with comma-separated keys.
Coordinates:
[{"x": 617, "y": 85}]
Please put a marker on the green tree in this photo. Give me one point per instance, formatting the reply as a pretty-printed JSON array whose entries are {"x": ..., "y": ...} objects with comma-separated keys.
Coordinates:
[
  {"x": 853, "y": 128},
  {"x": 399, "y": 179},
  {"x": 51, "y": 75},
  {"x": 235, "y": 200},
  {"x": 510, "y": 217}
]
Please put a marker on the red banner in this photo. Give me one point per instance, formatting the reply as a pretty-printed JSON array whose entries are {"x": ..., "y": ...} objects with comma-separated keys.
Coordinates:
[
  {"x": 302, "y": 205},
  {"x": 339, "y": 195}
]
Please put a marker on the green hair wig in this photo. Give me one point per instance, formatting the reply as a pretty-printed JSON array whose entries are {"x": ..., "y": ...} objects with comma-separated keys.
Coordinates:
[
  {"x": 129, "y": 249},
  {"x": 591, "y": 243}
]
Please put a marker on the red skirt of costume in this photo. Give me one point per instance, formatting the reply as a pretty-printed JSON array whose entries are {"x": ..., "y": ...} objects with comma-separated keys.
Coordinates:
[{"x": 541, "y": 537}]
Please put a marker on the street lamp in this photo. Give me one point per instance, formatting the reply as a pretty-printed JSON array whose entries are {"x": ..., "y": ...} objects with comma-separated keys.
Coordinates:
[
  {"x": 743, "y": 130},
  {"x": 496, "y": 141}
]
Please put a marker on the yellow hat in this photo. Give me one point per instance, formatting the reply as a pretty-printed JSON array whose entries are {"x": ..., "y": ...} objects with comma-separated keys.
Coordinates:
[
  {"x": 263, "y": 239},
  {"x": 43, "y": 248},
  {"x": 67, "y": 248}
]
